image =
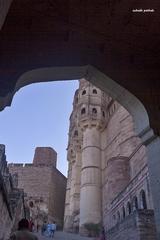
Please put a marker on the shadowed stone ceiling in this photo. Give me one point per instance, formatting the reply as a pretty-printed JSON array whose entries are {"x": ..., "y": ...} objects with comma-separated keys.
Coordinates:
[{"x": 106, "y": 34}]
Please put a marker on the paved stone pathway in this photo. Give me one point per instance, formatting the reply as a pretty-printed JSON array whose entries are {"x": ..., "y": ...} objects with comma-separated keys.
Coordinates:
[{"x": 64, "y": 236}]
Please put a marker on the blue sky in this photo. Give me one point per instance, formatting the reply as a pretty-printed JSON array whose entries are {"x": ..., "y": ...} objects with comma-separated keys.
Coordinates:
[{"x": 39, "y": 116}]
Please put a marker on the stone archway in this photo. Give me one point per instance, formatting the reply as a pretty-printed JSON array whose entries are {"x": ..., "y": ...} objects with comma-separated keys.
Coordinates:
[{"x": 118, "y": 93}]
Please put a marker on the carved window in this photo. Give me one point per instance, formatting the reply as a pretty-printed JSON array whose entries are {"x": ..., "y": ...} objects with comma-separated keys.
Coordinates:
[
  {"x": 94, "y": 111},
  {"x": 83, "y": 111},
  {"x": 94, "y": 91},
  {"x": 31, "y": 204},
  {"x": 103, "y": 113},
  {"x": 135, "y": 203},
  {"x": 84, "y": 92},
  {"x": 75, "y": 133}
]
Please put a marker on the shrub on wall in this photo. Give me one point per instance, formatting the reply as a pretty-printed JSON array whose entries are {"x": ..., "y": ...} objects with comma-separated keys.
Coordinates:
[{"x": 93, "y": 229}]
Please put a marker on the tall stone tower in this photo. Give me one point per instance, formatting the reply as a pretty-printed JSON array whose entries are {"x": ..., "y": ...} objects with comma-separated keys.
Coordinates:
[
  {"x": 108, "y": 173},
  {"x": 87, "y": 121}
]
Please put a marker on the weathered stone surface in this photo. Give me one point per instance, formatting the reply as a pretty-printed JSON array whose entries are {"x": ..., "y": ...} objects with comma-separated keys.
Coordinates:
[
  {"x": 140, "y": 225},
  {"x": 45, "y": 156},
  {"x": 113, "y": 169},
  {"x": 11, "y": 200},
  {"x": 108, "y": 35}
]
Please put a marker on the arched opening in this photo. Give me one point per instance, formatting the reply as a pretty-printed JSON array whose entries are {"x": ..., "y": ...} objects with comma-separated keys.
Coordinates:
[
  {"x": 135, "y": 203},
  {"x": 115, "y": 91},
  {"x": 88, "y": 49},
  {"x": 123, "y": 212},
  {"x": 83, "y": 111},
  {"x": 103, "y": 114},
  {"x": 76, "y": 133},
  {"x": 94, "y": 111},
  {"x": 138, "y": 127},
  {"x": 84, "y": 92},
  {"x": 143, "y": 200},
  {"x": 31, "y": 204},
  {"x": 94, "y": 91},
  {"x": 129, "y": 208}
]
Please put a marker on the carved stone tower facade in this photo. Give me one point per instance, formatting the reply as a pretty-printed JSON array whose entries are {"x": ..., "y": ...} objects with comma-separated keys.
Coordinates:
[{"x": 108, "y": 174}]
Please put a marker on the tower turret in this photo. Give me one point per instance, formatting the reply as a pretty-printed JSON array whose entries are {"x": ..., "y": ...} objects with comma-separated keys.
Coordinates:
[
  {"x": 45, "y": 156},
  {"x": 89, "y": 117}
]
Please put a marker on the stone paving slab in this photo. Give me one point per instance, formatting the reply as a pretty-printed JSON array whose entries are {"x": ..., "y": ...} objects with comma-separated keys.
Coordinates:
[{"x": 64, "y": 236}]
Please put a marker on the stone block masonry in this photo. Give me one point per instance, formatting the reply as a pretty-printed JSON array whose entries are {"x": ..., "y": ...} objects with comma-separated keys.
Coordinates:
[
  {"x": 108, "y": 174},
  {"x": 11, "y": 199},
  {"x": 139, "y": 225},
  {"x": 44, "y": 185}
]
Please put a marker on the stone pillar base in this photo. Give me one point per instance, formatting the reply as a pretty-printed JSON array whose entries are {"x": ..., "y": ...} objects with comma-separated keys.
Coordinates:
[{"x": 68, "y": 224}]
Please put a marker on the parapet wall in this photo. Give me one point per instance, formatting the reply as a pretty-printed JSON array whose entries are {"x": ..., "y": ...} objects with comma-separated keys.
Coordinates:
[
  {"x": 34, "y": 180},
  {"x": 139, "y": 225},
  {"x": 20, "y": 165}
]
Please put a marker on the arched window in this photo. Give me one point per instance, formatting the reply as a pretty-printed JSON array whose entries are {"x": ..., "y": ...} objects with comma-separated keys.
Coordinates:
[
  {"x": 75, "y": 133},
  {"x": 128, "y": 208},
  {"x": 135, "y": 203},
  {"x": 103, "y": 113},
  {"x": 94, "y": 110},
  {"x": 84, "y": 92},
  {"x": 143, "y": 200},
  {"x": 31, "y": 204},
  {"x": 83, "y": 111},
  {"x": 123, "y": 212},
  {"x": 94, "y": 91}
]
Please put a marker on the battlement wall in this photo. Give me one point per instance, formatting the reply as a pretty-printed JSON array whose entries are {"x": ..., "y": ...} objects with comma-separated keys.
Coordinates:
[
  {"x": 33, "y": 179},
  {"x": 44, "y": 182},
  {"x": 20, "y": 165}
]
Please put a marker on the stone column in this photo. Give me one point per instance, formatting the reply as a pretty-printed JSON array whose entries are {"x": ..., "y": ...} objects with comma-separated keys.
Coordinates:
[
  {"x": 75, "y": 194},
  {"x": 90, "y": 193},
  {"x": 67, "y": 214}
]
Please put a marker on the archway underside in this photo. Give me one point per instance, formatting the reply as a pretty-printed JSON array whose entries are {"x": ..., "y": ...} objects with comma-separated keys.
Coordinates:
[{"x": 109, "y": 36}]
